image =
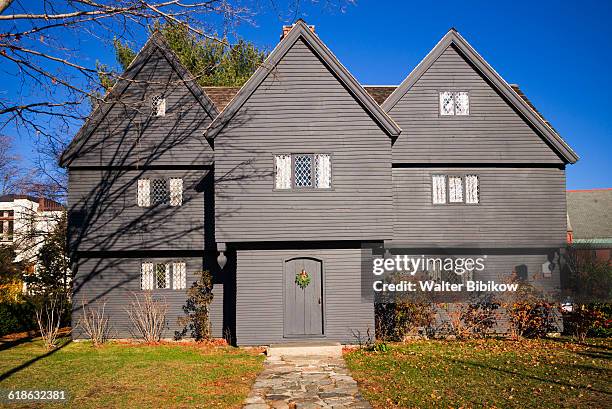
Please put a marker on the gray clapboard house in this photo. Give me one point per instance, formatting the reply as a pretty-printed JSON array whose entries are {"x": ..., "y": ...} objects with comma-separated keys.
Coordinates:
[{"x": 293, "y": 175}]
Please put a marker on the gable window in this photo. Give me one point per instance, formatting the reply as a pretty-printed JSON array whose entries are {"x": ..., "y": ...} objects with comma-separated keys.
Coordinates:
[
  {"x": 458, "y": 189},
  {"x": 160, "y": 191},
  {"x": 155, "y": 276},
  {"x": 158, "y": 105},
  {"x": 6, "y": 225},
  {"x": 302, "y": 171},
  {"x": 454, "y": 103}
]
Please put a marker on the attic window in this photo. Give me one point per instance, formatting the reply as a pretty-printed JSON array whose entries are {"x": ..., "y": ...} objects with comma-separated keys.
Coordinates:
[
  {"x": 453, "y": 103},
  {"x": 158, "y": 104}
]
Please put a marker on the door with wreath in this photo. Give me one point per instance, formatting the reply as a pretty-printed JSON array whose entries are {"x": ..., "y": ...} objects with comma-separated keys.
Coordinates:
[{"x": 303, "y": 316}]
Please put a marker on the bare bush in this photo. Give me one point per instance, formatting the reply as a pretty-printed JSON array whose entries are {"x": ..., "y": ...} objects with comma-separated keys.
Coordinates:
[
  {"x": 95, "y": 323},
  {"x": 148, "y": 317},
  {"x": 49, "y": 318}
]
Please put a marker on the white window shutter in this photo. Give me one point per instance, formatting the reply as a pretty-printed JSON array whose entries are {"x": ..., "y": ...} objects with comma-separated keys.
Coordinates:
[
  {"x": 472, "y": 192},
  {"x": 282, "y": 171},
  {"x": 462, "y": 103},
  {"x": 447, "y": 103},
  {"x": 144, "y": 192},
  {"x": 438, "y": 183},
  {"x": 322, "y": 171},
  {"x": 455, "y": 189},
  {"x": 176, "y": 192},
  {"x": 146, "y": 276},
  {"x": 179, "y": 276}
]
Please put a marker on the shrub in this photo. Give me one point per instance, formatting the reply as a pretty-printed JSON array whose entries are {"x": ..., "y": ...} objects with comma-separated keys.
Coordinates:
[
  {"x": 49, "y": 318},
  {"x": 148, "y": 317},
  {"x": 197, "y": 309},
  {"x": 584, "y": 320},
  {"x": 16, "y": 317},
  {"x": 531, "y": 319},
  {"x": 95, "y": 323},
  {"x": 398, "y": 321}
]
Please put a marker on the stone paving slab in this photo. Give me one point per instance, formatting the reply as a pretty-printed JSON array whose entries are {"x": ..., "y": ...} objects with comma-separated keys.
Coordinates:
[{"x": 293, "y": 382}]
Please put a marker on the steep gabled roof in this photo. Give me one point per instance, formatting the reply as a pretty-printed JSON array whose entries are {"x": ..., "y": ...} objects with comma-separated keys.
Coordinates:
[
  {"x": 468, "y": 52},
  {"x": 301, "y": 31},
  {"x": 155, "y": 42}
]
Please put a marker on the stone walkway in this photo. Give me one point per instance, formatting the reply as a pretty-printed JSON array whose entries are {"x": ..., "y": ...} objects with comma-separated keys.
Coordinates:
[{"x": 305, "y": 383}]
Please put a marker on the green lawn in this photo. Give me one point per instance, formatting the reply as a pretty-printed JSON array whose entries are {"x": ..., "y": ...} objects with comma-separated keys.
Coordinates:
[
  {"x": 488, "y": 373},
  {"x": 120, "y": 375}
]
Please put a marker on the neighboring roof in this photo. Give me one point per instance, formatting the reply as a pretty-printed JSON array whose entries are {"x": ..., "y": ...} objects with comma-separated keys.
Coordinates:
[
  {"x": 221, "y": 96},
  {"x": 518, "y": 102},
  {"x": 380, "y": 92},
  {"x": 155, "y": 42},
  {"x": 590, "y": 214},
  {"x": 47, "y": 204},
  {"x": 301, "y": 31}
]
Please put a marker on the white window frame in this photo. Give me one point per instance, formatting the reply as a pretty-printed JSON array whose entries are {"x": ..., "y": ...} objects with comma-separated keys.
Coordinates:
[
  {"x": 147, "y": 276},
  {"x": 440, "y": 197},
  {"x": 158, "y": 105},
  {"x": 175, "y": 186},
  {"x": 457, "y": 108},
  {"x": 144, "y": 193},
  {"x": 317, "y": 160},
  {"x": 447, "y": 193},
  {"x": 179, "y": 275}
]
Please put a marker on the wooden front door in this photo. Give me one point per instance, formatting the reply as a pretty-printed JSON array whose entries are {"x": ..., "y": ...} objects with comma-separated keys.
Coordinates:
[{"x": 303, "y": 306}]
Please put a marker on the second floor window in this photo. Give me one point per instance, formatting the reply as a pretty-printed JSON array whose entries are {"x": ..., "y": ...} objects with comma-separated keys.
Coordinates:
[
  {"x": 171, "y": 275},
  {"x": 160, "y": 192},
  {"x": 455, "y": 189},
  {"x": 454, "y": 103},
  {"x": 6, "y": 225},
  {"x": 158, "y": 105},
  {"x": 302, "y": 170}
]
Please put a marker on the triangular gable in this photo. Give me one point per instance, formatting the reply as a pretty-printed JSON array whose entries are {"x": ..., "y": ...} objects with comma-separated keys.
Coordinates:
[
  {"x": 468, "y": 52},
  {"x": 301, "y": 30},
  {"x": 155, "y": 42}
]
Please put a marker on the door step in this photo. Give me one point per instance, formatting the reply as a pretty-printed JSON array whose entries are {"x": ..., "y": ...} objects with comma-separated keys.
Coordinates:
[{"x": 322, "y": 348}]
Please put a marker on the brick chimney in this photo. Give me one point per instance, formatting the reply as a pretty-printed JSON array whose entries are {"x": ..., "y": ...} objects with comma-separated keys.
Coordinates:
[{"x": 286, "y": 29}]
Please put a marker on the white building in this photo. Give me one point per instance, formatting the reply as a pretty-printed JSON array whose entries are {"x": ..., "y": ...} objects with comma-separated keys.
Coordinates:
[{"x": 25, "y": 221}]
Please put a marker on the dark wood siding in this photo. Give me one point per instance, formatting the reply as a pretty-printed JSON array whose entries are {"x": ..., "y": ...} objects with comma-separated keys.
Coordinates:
[
  {"x": 493, "y": 132},
  {"x": 104, "y": 215},
  {"x": 130, "y": 135},
  {"x": 302, "y": 108},
  {"x": 115, "y": 281},
  {"x": 518, "y": 207},
  {"x": 259, "y": 295}
]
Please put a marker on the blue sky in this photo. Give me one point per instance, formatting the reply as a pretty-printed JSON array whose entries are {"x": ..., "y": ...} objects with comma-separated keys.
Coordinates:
[{"x": 560, "y": 53}]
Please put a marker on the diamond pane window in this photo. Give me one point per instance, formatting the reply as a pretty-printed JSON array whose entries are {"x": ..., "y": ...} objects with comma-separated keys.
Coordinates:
[
  {"x": 455, "y": 189},
  {"x": 462, "y": 103},
  {"x": 303, "y": 170},
  {"x": 447, "y": 103},
  {"x": 144, "y": 192},
  {"x": 438, "y": 183},
  {"x": 176, "y": 192},
  {"x": 159, "y": 191},
  {"x": 158, "y": 103},
  {"x": 162, "y": 275},
  {"x": 179, "y": 276},
  {"x": 322, "y": 171},
  {"x": 146, "y": 276},
  {"x": 282, "y": 171},
  {"x": 471, "y": 189}
]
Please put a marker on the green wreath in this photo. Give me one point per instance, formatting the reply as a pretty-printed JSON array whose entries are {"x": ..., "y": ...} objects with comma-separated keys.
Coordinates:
[{"x": 302, "y": 279}]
